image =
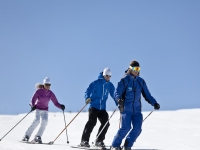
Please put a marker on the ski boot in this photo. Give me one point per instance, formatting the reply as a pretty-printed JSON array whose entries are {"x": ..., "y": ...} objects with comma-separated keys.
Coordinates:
[
  {"x": 115, "y": 148},
  {"x": 100, "y": 144},
  {"x": 37, "y": 139},
  {"x": 25, "y": 138},
  {"x": 84, "y": 144},
  {"x": 126, "y": 148}
]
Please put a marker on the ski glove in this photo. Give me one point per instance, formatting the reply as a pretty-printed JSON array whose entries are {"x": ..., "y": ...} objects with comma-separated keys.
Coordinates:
[
  {"x": 87, "y": 101},
  {"x": 120, "y": 102},
  {"x": 33, "y": 108},
  {"x": 121, "y": 105},
  {"x": 156, "y": 106},
  {"x": 62, "y": 107}
]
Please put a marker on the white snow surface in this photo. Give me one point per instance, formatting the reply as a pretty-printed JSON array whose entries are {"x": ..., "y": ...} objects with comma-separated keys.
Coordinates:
[{"x": 168, "y": 130}]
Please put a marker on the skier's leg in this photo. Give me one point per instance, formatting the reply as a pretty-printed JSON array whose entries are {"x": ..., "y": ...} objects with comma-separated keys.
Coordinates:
[
  {"x": 136, "y": 130},
  {"x": 103, "y": 118},
  {"x": 125, "y": 127},
  {"x": 90, "y": 124},
  {"x": 44, "y": 116},
  {"x": 34, "y": 124}
]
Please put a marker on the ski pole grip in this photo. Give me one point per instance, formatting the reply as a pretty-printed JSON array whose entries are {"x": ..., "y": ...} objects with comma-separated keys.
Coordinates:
[{"x": 88, "y": 101}]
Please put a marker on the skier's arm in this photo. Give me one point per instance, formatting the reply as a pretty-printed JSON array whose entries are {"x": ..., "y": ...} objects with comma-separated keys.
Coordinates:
[
  {"x": 34, "y": 98},
  {"x": 147, "y": 95},
  {"x": 55, "y": 101},
  {"x": 112, "y": 92},
  {"x": 89, "y": 91},
  {"x": 120, "y": 89}
]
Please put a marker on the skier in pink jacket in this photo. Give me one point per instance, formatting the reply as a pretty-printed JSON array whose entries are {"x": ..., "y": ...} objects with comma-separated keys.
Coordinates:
[{"x": 39, "y": 102}]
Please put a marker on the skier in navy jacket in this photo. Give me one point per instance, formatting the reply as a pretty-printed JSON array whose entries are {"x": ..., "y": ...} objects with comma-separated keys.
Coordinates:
[
  {"x": 97, "y": 95},
  {"x": 128, "y": 95}
]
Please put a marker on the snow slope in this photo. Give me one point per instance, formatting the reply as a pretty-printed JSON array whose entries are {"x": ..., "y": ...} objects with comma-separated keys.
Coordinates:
[{"x": 168, "y": 130}]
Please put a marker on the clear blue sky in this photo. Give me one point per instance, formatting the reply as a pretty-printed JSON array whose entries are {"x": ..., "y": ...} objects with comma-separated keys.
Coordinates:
[{"x": 71, "y": 41}]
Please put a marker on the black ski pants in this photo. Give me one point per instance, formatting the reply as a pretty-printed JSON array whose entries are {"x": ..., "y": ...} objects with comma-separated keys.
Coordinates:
[{"x": 102, "y": 116}]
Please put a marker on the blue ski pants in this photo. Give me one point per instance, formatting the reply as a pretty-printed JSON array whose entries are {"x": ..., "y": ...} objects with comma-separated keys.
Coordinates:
[{"x": 128, "y": 119}]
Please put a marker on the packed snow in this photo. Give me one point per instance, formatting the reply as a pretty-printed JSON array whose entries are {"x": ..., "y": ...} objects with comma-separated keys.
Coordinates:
[{"x": 168, "y": 130}]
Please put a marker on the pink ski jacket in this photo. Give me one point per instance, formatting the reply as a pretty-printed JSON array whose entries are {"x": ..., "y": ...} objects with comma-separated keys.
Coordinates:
[{"x": 42, "y": 97}]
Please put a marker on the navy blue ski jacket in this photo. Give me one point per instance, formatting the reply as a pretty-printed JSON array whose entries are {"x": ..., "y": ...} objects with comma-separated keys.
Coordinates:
[
  {"x": 135, "y": 86},
  {"x": 98, "y": 92}
]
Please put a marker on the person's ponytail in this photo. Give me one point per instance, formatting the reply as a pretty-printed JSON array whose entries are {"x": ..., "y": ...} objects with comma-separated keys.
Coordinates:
[{"x": 39, "y": 86}]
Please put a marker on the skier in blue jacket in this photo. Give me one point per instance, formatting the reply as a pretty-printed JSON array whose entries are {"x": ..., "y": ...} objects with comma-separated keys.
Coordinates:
[
  {"x": 97, "y": 95},
  {"x": 128, "y": 95}
]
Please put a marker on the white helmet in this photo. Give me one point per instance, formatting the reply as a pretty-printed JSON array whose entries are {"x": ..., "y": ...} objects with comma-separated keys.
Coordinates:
[
  {"x": 107, "y": 71},
  {"x": 46, "y": 80}
]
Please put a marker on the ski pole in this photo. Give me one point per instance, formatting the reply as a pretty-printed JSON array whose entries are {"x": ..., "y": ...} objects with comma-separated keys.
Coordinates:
[
  {"x": 120, "y": 120},
  {"x": 16, "y": 125},
  {"x": 147, "y": 116},
  {"x": 66, "y": 126},
  {"x": 104, "y": 125}
]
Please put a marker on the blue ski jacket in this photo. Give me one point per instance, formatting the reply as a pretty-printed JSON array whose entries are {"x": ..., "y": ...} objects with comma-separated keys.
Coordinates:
[
  {"x": 135, "y": 86},
  {"x": 98, "y": 92}
]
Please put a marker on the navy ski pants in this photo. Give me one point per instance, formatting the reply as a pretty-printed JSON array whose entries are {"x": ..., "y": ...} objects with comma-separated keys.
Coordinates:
[{"x": 128, "y": 118}]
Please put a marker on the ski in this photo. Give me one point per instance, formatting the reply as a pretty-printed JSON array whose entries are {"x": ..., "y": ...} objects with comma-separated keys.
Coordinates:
[
  {"x": 90, "y": 148},
  {"x": 33, "y": 142}
]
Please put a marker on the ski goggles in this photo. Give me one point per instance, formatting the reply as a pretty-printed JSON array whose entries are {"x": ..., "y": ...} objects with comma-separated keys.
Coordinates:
[
  {"x": 108, "y": 76},
  {"x": 136, "y": 69},
  {"x": 47, "y": 84}
]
